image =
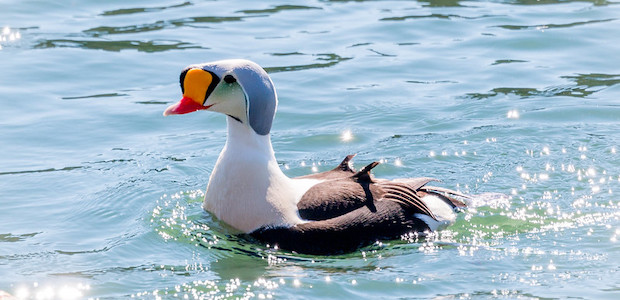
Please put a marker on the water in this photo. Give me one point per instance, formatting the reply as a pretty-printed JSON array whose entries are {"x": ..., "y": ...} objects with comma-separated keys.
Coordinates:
[{"x": 101, "y": 195}]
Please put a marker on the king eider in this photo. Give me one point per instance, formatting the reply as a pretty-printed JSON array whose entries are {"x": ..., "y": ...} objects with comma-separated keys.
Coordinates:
[{"x": 325, "y": 213}]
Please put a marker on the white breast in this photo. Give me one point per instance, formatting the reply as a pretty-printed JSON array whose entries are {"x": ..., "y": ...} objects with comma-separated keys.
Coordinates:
[{"x": 247, "y": 189}]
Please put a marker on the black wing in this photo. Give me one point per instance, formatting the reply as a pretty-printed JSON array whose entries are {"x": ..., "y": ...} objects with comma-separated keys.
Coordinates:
[
  {"x": 345, "y": 233},
  {"x": 333, "y": 198},
  {"x": 350, "y": 210}
]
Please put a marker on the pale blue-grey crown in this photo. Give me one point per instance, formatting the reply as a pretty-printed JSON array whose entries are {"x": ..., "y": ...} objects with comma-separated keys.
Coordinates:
[{"x": 260, "y": 94}]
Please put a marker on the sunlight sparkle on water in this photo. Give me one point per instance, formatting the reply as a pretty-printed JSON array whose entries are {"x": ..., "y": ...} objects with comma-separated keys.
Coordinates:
[
  {"x": 346, "y": 136},
  {"x": 551, "y": 266},
  {"x": 512, "y": 114},
  {"x": 64, "y": 292},
  {"x": 9, "y": 35}
]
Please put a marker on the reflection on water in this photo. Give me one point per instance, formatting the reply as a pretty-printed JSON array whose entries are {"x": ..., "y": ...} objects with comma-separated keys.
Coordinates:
[
  {"x": 584, "y": 85},
  {"x": 129, "y": 11},
  {"x": 278, "y": 8},
  {"x": 150, "y": 46},
  {"x": 508, "y": 61},
  {"x": 325, "y": 60},
  {"x": 552, "y": 26},
  {"x": 8, "y": 237},
  {"x": 103, "y": 30},
  {"x": 41, "y": 171},
  {"x": 441, "y": 3},
  {"x": 591, "y": 83},
  {"x": 430, "y": 16},
  {"x": 95, "y": 96},
  {"x": 545, "y": 2}
]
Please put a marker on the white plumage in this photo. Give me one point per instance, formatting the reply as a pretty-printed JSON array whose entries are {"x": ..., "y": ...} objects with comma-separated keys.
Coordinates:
[{"x": 247, "y": 188}]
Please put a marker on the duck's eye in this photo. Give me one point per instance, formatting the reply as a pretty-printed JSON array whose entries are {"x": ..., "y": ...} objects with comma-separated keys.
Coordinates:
[{"x": 229, "y": 79}]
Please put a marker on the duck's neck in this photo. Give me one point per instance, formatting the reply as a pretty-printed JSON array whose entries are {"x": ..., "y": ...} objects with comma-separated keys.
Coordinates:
[
  {"x": 247, "y": 189},
  {"x": 241, "y": 138}
]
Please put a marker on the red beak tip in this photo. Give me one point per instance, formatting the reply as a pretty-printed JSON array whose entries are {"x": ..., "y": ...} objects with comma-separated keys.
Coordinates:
[{"x": 186, "y": 105}]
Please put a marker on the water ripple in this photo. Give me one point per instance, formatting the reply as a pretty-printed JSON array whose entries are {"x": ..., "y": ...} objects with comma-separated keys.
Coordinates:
[
  {"x": 278, "y": 8},
  {"x": 434, "y": 16},
  {"x": 442, "y": 3},
  {"x": 325, "y": 60},
  {"x": 584, "y": 86},
  {"x": 11, "y": 238},
  {"x": 42, "y": 170},
  {"x": 115, "y": 46},
  {"x": 103, "y": 30},
  {"x": 547, "y": 2},
  {"x": 508, "y": 61},
  {"x": 129, "y": 11},
  {"x": 158, "y": 25},
  {"x": 106, "y": 95},
  {"x": 552, "y": 26},
  {"x": 205, "y": 19}
]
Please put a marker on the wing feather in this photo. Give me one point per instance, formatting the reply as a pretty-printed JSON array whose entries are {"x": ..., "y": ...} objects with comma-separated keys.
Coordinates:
[
  {"x": 408, "y": 195},
  {"x": 345, "y": 233}
]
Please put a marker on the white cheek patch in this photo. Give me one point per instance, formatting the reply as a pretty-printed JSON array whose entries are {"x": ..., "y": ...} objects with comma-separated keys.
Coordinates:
[{"x": 229, "y": 99}]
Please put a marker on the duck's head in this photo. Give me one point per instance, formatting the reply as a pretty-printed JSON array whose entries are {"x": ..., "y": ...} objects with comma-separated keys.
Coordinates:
[{"x": 238, "y": 88}]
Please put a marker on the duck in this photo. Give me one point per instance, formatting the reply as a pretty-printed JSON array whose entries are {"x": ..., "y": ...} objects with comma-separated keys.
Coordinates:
[{"x": 332, "y": 212}]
